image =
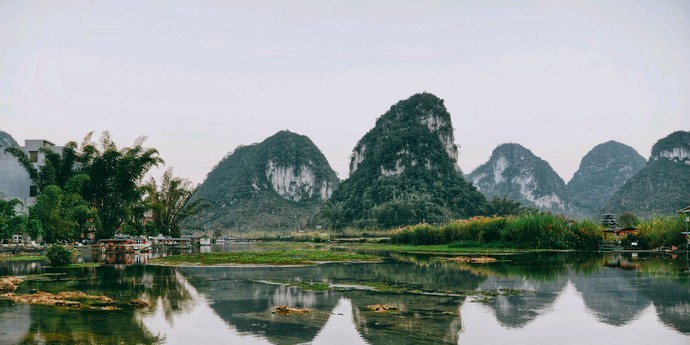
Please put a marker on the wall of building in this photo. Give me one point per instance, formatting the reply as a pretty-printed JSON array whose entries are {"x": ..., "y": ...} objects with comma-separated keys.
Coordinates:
[{"x": 14, "y": 180}]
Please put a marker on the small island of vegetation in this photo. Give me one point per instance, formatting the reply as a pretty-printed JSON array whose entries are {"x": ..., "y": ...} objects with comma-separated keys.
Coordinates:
[{"x": 273, "y": 257}]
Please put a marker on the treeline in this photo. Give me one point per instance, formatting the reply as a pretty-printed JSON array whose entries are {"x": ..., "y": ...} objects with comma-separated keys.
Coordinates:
[
  {"x": 98, "y": 188},
  {"x": 538, "y": 231}
]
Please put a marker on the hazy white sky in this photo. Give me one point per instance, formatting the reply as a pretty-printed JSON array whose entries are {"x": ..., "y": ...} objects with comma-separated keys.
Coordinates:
[{"x": 200, "y": 78}]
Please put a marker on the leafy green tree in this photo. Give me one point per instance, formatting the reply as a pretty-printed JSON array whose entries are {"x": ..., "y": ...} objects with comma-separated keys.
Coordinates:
[
  {"x": 503, "y": 207},
  {"x": 49, "y": 210},
  {"x": 10, "y": 222},
  {"x": 628, "y": 220},
  {"x": 171, "y": 203},
  {"x": 59, "y": 255},
  {"x": 333, "y": 213},
  {"x": 57, "y": 168},
  {"x": 115, "y": 175}
]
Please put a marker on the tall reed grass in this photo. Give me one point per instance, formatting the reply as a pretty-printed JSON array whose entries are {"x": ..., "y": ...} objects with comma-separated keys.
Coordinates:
[{"x": 539, "y": 231}]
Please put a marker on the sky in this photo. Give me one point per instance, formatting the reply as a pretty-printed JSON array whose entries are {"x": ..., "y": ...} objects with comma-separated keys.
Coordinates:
[{"x": 199, "y": 78}]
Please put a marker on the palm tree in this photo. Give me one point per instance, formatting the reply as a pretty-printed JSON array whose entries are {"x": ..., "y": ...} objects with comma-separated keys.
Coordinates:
[
  {"x": 334, "y": 214},
  {"x": 172, "y": 204}
]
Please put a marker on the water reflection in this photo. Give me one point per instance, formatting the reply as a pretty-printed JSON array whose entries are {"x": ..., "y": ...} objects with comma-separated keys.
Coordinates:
[
  {"x": 566, "y": 297},
  {"x": 563, "y": 323}
]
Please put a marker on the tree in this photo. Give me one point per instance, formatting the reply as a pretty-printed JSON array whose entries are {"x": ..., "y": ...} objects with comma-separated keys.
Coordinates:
[
  {"x": 115, "y": 175},
  {"x": 171, "y": 203},
  {"x": 628, "y": 220},
  {"x": 59, "y": 255},
  {"x": 333, "y": 213},
  {"x": 503, "y": 207},
  {"x": 57, "y": 169},
  {"x": 49, "y": 210},
  {"x": 10, "y": 222}
]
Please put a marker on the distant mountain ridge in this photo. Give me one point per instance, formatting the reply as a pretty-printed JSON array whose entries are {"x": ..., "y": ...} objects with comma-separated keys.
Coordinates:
[
  {"x": 276, "y": 184},
  {"x": 6, "y": 140},
  {"x": 516, "y": 173},
  {"x": 603, "y": 170},
  {"x": 662, "y": 186},
  {"x": 404, "y": 170}
]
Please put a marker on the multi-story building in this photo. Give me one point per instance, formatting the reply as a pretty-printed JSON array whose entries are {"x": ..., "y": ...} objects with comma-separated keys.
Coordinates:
[{"x": 15, "y": 182}]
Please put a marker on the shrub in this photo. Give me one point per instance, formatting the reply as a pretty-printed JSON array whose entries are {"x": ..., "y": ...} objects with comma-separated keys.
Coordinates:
[
  {"x": 662, "y": 232},
  {"x": 59, "y": 255}
]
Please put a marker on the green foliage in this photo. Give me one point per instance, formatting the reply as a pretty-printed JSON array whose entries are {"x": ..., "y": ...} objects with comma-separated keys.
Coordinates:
[
  {"x": 61, "y": 216},
  {"x": 115, "y": 174},
  {"x": 602, "y": 171},
  {"x": 92, "y": 186},
  {"x": 242, "y": 196},
  {"x": 662, "y": 232},
  {"x": 282, "y": 257},
  {"x": 660, "y": 188},
  {"x": 675, "y": 140},
  {"x": 10, "y": 222},
  {"x": 535, "y": 231},
  {"x": 51, "y": 211},
  {"x": 59, "y": 255},
  {"x": 171, "y": 203},
  {"x": 628, "y": 220},
  {"x": 517, "y": 162},
  {"x": 333, "y": 213},
  {"x": 24, "y": 161},
  {"x": 406, "y": 175},
  {"x": 503, "y": 207}
]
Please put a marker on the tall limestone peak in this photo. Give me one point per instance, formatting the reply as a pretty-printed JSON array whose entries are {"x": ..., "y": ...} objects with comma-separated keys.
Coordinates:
[
  {"x": 276, "y": 184},
  {"x": 6, "y": 140},
  {"x": 515, "y": 172},
  {"x": 602, "y": 171},
  {"x": 404, "y": 170},
  {"x": 675, "y": 146},
  {"x": 660, "y": 188},
  {"x": 420, "y": 110}
]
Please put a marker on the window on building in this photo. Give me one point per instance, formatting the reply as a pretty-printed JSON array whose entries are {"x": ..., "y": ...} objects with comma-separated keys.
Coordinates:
[
  {"x": 33, "y": 156},
  {"x": 33, "y": 191}
]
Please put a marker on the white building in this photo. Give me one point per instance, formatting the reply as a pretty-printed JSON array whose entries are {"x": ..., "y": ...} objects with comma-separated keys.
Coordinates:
[{"x": 14, "y": 179}]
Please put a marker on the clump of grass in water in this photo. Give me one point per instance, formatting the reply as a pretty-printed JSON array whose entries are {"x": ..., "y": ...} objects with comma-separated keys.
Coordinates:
[
  {"x": 288, "y": 257},
  {"x": 24, "y": 258}
]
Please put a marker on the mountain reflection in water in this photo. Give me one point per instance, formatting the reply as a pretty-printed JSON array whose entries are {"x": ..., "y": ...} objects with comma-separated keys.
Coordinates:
[{"x": 569, "y": 298}]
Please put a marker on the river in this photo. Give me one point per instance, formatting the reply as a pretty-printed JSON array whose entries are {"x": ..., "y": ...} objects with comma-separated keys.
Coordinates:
[{"x": 529, "y": 298}]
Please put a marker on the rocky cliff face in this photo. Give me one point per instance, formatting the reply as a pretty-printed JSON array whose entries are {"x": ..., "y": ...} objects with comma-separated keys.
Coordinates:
[
  {"x": 278, "y": 183},
  {"x": 298, "y": 182},
  {"x": 428, "y": 111},
  {"x": 516, "y": 173},
  {"x": 6, "y": 140},
  {"x": 602, "y": 171},
  {"x": 662, "y": 186},
  {"x": 404, "y": 170},
  {"x": 675, "y": 147}
]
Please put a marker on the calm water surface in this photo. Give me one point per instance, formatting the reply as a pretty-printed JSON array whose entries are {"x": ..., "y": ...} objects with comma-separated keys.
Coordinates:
[{"x": 545, "y": 298}]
